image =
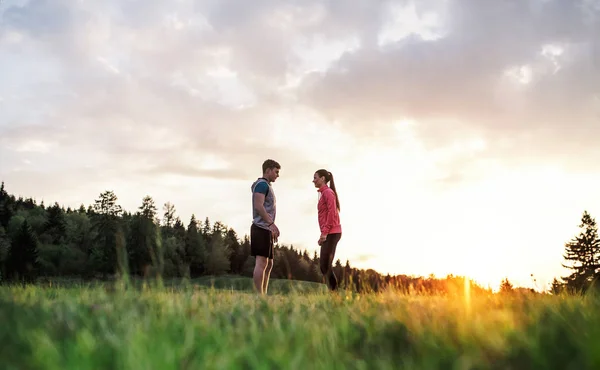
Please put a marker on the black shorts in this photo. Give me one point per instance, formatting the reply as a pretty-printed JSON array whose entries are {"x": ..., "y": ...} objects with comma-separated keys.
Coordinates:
[{"x": 261, "y": 242}]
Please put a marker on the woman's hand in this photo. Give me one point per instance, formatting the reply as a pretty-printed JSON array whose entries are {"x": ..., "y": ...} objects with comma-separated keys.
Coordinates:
[{"x": 322, "y": 239}]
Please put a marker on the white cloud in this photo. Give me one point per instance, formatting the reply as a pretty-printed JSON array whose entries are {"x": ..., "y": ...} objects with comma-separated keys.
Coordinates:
[{"x": 403, "y": 20}]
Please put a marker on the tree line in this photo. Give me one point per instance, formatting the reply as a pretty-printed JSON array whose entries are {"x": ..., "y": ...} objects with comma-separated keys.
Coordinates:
[{"x": 104, "y": 241}]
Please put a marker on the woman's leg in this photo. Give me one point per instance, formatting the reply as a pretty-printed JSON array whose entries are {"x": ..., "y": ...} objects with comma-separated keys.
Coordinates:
[{"x": 326, "y": 260}]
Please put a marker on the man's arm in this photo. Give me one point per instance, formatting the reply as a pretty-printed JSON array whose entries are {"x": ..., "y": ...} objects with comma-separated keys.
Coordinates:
[
  {"x": 260, "y": 192},
  {"x": 259, "y": 205}
]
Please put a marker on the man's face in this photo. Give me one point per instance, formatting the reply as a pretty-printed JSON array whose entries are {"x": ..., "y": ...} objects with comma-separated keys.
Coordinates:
[{"x": 272, "y": 174}]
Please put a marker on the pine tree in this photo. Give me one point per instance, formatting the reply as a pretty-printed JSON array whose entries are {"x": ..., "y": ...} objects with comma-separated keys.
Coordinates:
[
  {"x": 22, "y": 263},
  {"x": 506, "y": 286},
  {"x": 4, "y": 249},
  {"x": 179, "y": 230},
  {"x": 121, "y": 256},
  {"x": 583, "y": 251},
  {"x": 232, "y": 245},
  {"x": 6, "y": 211},
  {"x": 217, "y": 258},
  {"x": 142, "y": 242},
  {"x": 55, "y": 226},
  {"x": 148, "y": 209},
  {"x": 557, "y": 287},
  {"x": 195, "y": 248},
  {"x": 169, "y": 215},
  {"x": 206, "y": 228},
  {"x": 244, "y": 254},
  {"x": 338, "y": 270},
  {"x": 139, "y": 242},
  {"x": 106, "y": 222}
]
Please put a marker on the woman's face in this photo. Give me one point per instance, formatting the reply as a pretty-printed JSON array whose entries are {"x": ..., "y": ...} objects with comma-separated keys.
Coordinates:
[{"x": 318, "y": 180}]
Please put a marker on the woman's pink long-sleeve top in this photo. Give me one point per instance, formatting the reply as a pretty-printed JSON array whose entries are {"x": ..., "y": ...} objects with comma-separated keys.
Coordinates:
[{"x": 329, "y": 218}]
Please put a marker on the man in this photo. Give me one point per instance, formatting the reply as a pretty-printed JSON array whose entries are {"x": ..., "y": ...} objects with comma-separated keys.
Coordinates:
[{"x": 264, "y": 232}]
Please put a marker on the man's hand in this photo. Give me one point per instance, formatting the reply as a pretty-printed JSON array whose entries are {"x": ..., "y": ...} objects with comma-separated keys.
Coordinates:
[{"x": 275, "y": 231}]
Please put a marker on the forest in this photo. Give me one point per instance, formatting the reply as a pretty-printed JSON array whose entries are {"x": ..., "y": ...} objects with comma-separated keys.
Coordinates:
[{"x": 103, "y": 241}]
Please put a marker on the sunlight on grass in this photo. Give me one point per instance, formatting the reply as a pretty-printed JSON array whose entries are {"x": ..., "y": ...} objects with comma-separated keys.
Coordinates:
[
  {"x": 190, "y": 328},
  {"x": 467, "y": 294}
]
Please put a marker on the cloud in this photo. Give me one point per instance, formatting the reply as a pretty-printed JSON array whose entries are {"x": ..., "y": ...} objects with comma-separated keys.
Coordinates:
[
  {"x": 463, "y": 83},
  {"x": 150, "y": 77},
  {"x": 146, "y": 87}
]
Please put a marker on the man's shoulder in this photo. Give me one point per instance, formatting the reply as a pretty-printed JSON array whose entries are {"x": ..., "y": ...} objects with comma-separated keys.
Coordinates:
[{"x": 261, "y": 187}]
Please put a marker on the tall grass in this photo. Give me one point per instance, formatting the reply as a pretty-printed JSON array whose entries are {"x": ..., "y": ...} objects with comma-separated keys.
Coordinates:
[{"x": 297, "y": 327}]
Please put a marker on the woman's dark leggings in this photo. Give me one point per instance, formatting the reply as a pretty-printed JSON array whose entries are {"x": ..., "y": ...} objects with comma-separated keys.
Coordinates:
[{"x": 326, "y": 259}]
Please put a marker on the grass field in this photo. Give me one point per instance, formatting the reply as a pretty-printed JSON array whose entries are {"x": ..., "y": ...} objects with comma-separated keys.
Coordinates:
[{"x": 298, "y": 326}]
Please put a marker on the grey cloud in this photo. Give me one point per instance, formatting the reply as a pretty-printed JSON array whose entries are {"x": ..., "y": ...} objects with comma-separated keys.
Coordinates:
[
  {"x": 458, "y": 79},
  {"x": 40, "y": 18}
]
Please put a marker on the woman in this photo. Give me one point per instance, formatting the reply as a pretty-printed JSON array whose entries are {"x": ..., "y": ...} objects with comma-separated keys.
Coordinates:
[{"x": 328, "y": 209}]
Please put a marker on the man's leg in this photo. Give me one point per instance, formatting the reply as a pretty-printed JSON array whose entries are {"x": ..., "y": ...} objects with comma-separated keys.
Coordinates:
[
  {"x": 259, "y": 274},
  {"x": 259, "y": 248},
  {"x": 271, "y": 253},
  {"x": 267, "y": 275}
]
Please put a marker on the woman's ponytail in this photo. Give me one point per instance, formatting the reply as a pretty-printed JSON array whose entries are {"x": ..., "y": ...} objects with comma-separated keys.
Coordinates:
[{"x": 337, "y": 199}]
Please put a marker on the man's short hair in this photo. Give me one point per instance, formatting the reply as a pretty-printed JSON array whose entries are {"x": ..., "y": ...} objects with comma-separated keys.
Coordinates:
[{"x": 269, "y": 163}]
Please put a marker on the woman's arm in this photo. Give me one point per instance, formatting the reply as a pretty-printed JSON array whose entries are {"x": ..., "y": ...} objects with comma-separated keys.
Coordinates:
[{"x": 331, "y": 209}]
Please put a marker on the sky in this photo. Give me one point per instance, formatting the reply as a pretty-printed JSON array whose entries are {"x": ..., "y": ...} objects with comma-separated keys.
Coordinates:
[{"x": 462, "y": 134}]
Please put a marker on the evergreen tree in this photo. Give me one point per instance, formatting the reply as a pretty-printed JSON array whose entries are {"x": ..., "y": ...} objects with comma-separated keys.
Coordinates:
[
  {"x": 143, "y": 242},
  {"x": 195, "y": 249},
  {"x": 4, "y": 249},
  {"x": 121, "y": 256},
  {"x": 148, "y": 209},
  {"x": 168, "y": 215},
  {"x": 249, "y": 265},
  {"x": 55, "y": 226},
  {"x": 179, "y": 247},
  {"x": 206, "y": 228},
  {"x": 138, "y": 245},
  {"x": 174, "y": 252},
  {"x": 14, "y": 225},
  {"x": 338, "y": 270},
  {"x": 557, "y": 287},
  {"x": 107, "y": 205},
  {"x": 79, "y": 231},
  {"x": 22, "y": 263},
  {"x": 506, "y": 286},
  {"x": 244, "y": 254},
  {"x": 583, "y": 251},
  {"x": 347, "y": 278},
  {"x": 314, "y": 274},
  {"x": 179, "y": 228},
  {"x": 219, "y": 228},
  {"x": 217, "y": 258},
  {"x": 233, "y": 247},
  {"x": 6, "y": 211},
  {"x": 106, "y": 223}
]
